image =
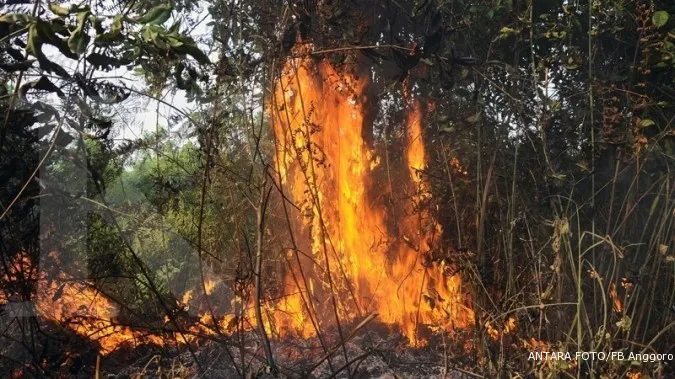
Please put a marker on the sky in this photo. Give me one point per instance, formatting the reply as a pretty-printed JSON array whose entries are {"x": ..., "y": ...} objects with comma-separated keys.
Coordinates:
[{"x": 139, "y": 114}]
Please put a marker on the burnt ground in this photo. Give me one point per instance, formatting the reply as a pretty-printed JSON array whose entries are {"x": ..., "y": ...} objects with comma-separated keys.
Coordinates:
[
  {"x": 371, "y": 355},
  {"x": 374, "y": 352}
]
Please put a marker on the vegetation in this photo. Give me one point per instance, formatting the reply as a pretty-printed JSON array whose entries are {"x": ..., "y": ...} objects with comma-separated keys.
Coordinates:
[{"x": 549, "y": 139}]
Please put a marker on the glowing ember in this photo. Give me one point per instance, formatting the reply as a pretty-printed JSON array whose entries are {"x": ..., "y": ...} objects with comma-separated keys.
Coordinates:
[{"x": 373, "y": 261}]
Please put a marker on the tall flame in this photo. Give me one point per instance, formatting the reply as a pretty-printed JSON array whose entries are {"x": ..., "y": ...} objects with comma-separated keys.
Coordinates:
[{"x": 373, "y": 259}]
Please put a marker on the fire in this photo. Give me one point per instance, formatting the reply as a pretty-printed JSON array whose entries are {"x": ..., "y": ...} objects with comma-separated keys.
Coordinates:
[
  {"x": 74, "y": 303},
  {"x": 617, "y": 304},
  {"x": 495, "y": 332},
  {"x": 209, "y": 286},
  {"x": 87, "y": 312},
  {"x": 373, "y": 260}
]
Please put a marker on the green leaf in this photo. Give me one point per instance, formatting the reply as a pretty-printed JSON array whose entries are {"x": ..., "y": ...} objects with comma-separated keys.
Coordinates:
[
  {"x": 78, "y": 42},
  {"x": 187, "y": 45},
  {"x": 150, "y": 33},
  {"x": 63, "y": 139},
  {"x": 17, "y": 66},
  {"x": 58, "y": 25},
  {"x": 50, "y": 66},
  {"x": 17, "y": 18},
  {"x": 79, "y": 39},
  {"x": 59, "y": 10},
  {"x": 175, "y": 41},
  {"x": 104, "y": 39},
  {"x": 660, "y": 18},
  {"x": 97, "y": 23},
  {"x": 554, "y": 105},
  {"x": 104, "y": 61},
  {"x": 92, "y": 93},
  {"x": 47, "y": 34},
  {"x": 34, "y": 47},
  {"x": 174, "y": 29},
  {"x": 157, "y": 15},
  {"x": 645, "y": 123},
  {"x": 34, "y": 42},
  {"x": 45, "y": 129},
  {"x": 47, "y": 110},
  {"x": 505, "y": 31},
  {"x": 42, "y": 84},
  {"x": 197, "y": 54},
  {"x": 116, "y": 26},
  {"x": 78, "y": 9}
]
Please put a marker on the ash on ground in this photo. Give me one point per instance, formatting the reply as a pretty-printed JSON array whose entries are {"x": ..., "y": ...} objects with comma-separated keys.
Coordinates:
[{"x": 370, "y": 355}]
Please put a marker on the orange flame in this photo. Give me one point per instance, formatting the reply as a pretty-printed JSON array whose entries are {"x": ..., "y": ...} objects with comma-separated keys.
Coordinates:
[
  {"x": 374, "y": 261},
  {"x": 76, "y": 304},
  {"x": 616, "y": 300}
]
